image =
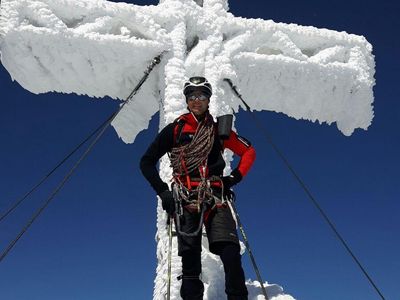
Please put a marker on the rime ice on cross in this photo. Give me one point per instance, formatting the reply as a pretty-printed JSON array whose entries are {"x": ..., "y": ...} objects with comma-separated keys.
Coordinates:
[{"x": 101, "y": 48}]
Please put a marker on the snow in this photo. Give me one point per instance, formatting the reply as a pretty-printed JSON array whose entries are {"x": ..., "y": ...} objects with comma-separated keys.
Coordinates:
[{"x": 100, "y": 48}]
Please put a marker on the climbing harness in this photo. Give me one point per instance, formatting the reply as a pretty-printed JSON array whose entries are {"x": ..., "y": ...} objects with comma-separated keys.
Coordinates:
[
  {"x": 303, "y": 185},
  {"x": 150, "y": 67},
  {"x": 198, "y": 200}
]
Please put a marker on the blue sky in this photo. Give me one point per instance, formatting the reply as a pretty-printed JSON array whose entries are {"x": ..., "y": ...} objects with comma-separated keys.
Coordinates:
[{"x": 96, "y": 240}]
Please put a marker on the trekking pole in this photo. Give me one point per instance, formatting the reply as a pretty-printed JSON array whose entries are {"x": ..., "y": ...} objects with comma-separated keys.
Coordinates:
[
  {"x": 169, "y": 257},
  {"x": 246, "y": 242}
]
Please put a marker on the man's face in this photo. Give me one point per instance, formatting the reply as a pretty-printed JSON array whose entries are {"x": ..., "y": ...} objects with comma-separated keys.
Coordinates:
[{"x": 198, "y": 103}]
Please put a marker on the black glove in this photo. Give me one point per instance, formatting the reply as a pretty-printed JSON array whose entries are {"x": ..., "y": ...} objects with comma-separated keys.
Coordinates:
[
  {"x": 231, "y": 180},
  {"x": 168, "y": 202}
]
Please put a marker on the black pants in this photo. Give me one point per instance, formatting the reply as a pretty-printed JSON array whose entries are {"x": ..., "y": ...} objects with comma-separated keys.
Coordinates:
[
  {"x": 223, "y": 241},
  {"x": 220, "y": 227},
  {"x": 192, "y": 287}
]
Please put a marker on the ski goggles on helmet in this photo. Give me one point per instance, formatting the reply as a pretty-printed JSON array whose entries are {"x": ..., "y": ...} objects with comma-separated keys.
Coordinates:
[{"x": 197, "y": 83}]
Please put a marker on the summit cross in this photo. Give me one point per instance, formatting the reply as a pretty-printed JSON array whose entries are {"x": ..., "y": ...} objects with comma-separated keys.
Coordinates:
[{"x": 100, "y": 48}]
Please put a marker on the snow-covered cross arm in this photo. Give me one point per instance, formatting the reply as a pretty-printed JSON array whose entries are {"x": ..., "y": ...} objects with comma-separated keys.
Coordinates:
[{"x": 101, "y": 48}]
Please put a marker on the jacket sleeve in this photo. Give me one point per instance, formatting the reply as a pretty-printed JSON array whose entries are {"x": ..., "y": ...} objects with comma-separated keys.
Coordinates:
[
  {"x": 162, "y": 144},
  {"x": 243, "y": 148}
]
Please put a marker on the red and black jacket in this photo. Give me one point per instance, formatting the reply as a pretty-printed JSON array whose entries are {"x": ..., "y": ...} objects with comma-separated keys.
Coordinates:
[{"x": 187, "y": 125}]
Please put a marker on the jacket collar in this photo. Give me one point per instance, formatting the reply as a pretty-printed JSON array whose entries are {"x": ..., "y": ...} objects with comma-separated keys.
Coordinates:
[{"x": 191, "y": 119}]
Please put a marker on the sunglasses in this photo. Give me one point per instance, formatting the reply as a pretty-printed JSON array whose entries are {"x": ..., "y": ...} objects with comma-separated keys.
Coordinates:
[{"x": 201, "y": 97}]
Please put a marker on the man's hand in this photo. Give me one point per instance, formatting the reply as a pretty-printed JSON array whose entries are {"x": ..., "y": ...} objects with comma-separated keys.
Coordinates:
[
  {"x": 168, "y": 203},
  {"x": 231, "y": 180}
]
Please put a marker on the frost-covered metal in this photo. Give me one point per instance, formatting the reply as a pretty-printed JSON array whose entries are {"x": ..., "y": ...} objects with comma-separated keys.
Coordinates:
[{"x": 101, "y": 48}]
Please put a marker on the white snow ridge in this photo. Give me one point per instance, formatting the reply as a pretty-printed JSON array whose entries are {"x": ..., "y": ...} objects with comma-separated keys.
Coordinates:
[{"x": 101, "y": 48}]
